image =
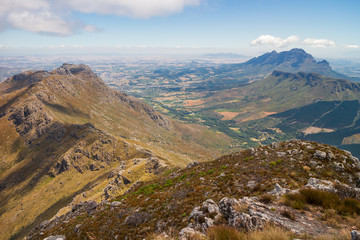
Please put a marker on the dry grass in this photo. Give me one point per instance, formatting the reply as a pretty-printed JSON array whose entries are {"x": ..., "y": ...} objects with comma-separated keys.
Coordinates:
[
  {"x": 222, "y": 232},
  {"x": 270, "y": 232},
  {"x": 341, "y": 235}
]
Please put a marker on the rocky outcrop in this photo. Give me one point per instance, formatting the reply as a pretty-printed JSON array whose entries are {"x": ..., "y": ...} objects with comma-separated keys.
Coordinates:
[
  {"x": 341, "y": 189},
  {"x": 250, "y": 214},
  {"x": 57, "y": 237},
  {"x": 278, "y": 190}
]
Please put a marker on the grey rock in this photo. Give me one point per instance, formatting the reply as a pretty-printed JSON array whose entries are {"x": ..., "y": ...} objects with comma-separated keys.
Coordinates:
[
  {"x": 190, "y": 233},
  {"x": 237, "y": 219},
  {"x": 209, "y": 206},
  {"x": 251, "y": 184},
  {"x": 192, "y": 164},
  {"x": 278, "y": 190},
  {"x": 201, "y": 221},
  {"x": 320, "y": 154},
  {"x": 115, "y": 204},
  {"x": 355, "y": 235},
  {"x": 330, "y": 156},
  {"x": 57, "y": 237},
  {"x": 274, "y": 145},
  {"x": 318, "y": 184},
  {"x": 281, "y": 154}
]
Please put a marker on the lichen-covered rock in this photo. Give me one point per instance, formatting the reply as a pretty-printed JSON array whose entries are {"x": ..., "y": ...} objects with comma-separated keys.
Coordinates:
[{"x": 318, "y": 184}]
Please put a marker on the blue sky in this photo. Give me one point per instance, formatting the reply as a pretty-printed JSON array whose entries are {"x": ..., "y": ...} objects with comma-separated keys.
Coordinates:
[{"x": 326, "y": 28}]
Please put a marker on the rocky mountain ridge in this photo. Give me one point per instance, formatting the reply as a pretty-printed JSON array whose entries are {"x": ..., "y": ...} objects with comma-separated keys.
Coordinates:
[
  {"x": 64, "y": 131},
  {"x": 245, "y": 190}
]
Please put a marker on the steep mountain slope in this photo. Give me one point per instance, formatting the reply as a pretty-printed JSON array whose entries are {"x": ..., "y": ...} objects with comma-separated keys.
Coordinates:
[
  {"x": 283, "y": 105},
  {"x": 189, "y": 197},
  {"x": 282, "y": 91},
  {"x": 65, "y": 136}
]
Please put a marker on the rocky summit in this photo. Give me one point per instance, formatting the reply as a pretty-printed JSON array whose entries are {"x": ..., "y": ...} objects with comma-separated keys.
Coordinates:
[{"x": 288, "y": 190}]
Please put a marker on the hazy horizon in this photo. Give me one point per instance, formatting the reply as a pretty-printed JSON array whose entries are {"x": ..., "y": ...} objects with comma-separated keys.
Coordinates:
[{"x": 325, "y": 29}]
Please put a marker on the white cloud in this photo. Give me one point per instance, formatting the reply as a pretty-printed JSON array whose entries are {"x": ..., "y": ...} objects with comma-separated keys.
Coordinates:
[
  {"x": 1, "y": 46},
  {"x": 352, "y": 46},
  {"x": 50, "y": 16},
  {"x": 274, "y": 41},
  {"x": 131, "y": 8},
  {"x": 91, "y": 28},
  {"x": 319, "y": 43},
  {"x": 39, "y": 22}
]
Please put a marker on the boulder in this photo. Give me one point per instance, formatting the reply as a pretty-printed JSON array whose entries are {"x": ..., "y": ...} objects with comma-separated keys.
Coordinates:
[
  {"x": 318, "y": 184},
  {"x": 320, "y": 154},
  {"x": 57, "y": 237},
  {"x": 190, "y": 233},
  {"x": 355, "y": 235},
  {"x": 278, "y": 190}
]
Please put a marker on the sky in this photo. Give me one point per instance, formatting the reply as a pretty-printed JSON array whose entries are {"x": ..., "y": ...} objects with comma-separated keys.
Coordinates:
[{"x": 325, "y": 28}]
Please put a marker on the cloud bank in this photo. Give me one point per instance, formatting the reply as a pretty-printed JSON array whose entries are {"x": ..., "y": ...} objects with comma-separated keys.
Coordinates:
[
  {"x": 354, "y": 46},
  {"x": 284, "y": 42},
  {"x": 274, "y": 41},
  {"x": 319, "y": 43},
  {"x": 54, "y": 16}
]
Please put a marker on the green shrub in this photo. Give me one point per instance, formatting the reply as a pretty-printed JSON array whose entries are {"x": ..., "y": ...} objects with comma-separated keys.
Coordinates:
[{"x": 272, "y": 164}]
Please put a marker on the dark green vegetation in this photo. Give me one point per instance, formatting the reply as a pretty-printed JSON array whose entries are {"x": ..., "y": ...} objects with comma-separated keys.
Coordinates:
[{"x": 166, "y": 203}]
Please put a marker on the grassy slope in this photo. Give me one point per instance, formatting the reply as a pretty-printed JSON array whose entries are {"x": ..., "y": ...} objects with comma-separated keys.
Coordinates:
[
  {"x": 171, "y": 198},
  {"x": 72, "y": 102}
]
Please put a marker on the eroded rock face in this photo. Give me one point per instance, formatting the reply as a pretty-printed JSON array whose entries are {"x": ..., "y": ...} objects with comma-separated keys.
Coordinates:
[{"x": 31, "y": 120}]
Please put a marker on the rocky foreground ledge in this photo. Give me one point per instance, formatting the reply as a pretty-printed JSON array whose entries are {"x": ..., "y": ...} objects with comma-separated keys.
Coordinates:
[{"x": 305, "y": 188}]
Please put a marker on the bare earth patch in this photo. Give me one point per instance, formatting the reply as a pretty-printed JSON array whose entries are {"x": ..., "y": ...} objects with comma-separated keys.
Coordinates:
[
  {"x": 313, "y": 130},
  {"x": 190, "y": 103},
  {"x": 257, "y": 116},
  {"x": 228, "y": 115},
  {"x": 354, "y": 139}
]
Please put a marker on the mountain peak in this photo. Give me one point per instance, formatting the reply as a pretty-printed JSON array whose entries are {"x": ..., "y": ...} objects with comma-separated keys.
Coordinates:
[
  {"x": 69, "y": 69},
  {"x": 298, "y": 50}
]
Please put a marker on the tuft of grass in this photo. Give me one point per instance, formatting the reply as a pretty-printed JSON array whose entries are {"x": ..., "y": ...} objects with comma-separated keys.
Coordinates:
[
  {"x": 221, "y": 232},
  {"x": 270, "y": 232},
  {"x": 326, "y": 200},
  {"x": 288, "y": 214},
  {"x": 266, "y": 198}
]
